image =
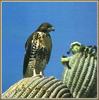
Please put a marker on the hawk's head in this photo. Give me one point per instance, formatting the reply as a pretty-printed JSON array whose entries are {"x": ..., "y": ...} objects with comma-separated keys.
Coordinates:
[{"x": 45, "y": 27}]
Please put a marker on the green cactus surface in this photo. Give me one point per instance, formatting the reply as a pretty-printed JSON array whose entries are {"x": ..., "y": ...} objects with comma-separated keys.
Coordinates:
[
  {"x": 38, "y": 87},
  {"x": 81, "y": 79}
]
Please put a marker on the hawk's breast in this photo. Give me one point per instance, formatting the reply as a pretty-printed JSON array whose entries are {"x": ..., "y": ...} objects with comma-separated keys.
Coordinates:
[{"x": 45, "y": 40}]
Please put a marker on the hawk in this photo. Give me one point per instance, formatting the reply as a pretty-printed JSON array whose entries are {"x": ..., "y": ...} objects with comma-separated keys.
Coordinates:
[{"x": 38, "y": 49}]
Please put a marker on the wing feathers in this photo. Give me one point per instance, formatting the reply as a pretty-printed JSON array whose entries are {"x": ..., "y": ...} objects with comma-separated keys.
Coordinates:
[{"x": 37, "y": 46}]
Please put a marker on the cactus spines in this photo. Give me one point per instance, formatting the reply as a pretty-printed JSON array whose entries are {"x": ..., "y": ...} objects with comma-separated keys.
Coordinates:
[
  {"x": 42, "y": 87},
  {"x": 38, "y": 87},
  {"x": 79, "y": 69},
  {"x": 73, "y": 70},
  {"x": 66, "y": 73},
  {"x": 11, "y": 91},
  {"x": 82, "y": 75},
  {"x": 92, "y": 86},
  {"x": 87, "y": 78},
  {"x": 25, "y": 87},
  {"x": 51, "y": 88},
  {"x": 81, "y": 79},
  {"x": 57, "y": 89}
]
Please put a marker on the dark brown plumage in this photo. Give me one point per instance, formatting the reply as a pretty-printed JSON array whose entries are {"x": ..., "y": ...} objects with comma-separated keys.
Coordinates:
[{"x": 38, "y": 49}]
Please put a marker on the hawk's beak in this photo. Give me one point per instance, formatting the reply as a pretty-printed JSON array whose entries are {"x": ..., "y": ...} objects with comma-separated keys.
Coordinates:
[{"x": 52, "y": 29}]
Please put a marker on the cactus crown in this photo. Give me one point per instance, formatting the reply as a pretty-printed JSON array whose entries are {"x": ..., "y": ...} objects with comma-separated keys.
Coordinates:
[{"x": 81, "y": 79}]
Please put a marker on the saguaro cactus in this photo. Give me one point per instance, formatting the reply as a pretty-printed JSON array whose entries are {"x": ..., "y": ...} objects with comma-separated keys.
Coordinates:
[
  {"x": 38, "y": 87},
  {"x": 81, "y": 79}
]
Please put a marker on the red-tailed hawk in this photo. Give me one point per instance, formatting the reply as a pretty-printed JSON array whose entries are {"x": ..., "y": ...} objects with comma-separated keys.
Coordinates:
[{"x": 38, "y": 49}]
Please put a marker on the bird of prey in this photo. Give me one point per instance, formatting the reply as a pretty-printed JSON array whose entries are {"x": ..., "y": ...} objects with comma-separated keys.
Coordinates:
[{"x": 38, "y": 49}]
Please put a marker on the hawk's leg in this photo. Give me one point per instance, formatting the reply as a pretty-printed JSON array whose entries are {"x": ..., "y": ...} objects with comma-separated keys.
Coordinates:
[
  {"x": 41, "y": 73},
  {"x": 34, "y": 72}
]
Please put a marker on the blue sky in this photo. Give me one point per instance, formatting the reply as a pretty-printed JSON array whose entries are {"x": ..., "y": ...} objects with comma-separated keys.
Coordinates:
[{"x": 73, "y": 21}]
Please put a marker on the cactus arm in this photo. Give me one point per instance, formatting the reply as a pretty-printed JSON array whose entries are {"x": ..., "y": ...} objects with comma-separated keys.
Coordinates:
[
  {"x": 36, "y": 89},
  {"x": 23, "y": 88},
  {"x": 87, "y": 78},
  {"x": 92, "y": 86},
  {"x": 61, "y": 92},
  {"x": 44, "y": 88},
  {"x": 82, "y": 76},
  {"x": 66, "y": 95},
  {"x": 11, "y": 91},
  {"x": 79, "y": 69},
  {"x": 57, "y": 89},
  {"x": 66, "y": 73},
  {"x": 51, "y": 89},
  {"x": 73, "y": 71}
]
